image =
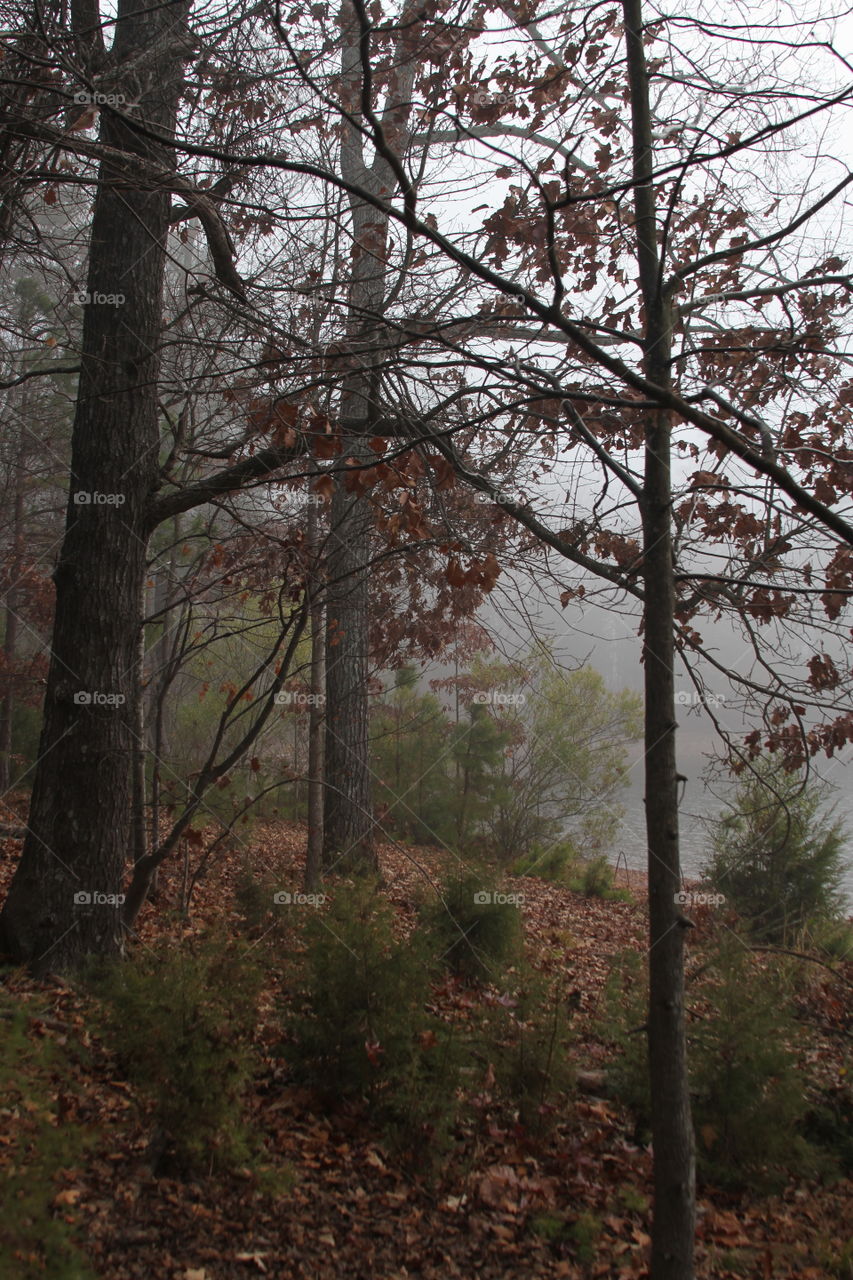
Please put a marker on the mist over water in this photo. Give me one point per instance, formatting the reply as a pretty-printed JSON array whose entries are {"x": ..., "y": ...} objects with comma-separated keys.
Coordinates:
[
  {"x": 523, "y": 611},
  {"x": 700, "y": 805}
]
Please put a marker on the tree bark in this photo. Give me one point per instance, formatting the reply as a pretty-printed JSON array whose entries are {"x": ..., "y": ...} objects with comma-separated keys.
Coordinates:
[
  {"x": 166, "y": 655},
  {"x": 10, "y": 639},
  {"x": 137, "y": 843},
  {"x": 80, "y": 811},
  {"x": 348, "y": 821},
  {"x": 673, "y": 1227},
  {"x": 316, "y": 718}
]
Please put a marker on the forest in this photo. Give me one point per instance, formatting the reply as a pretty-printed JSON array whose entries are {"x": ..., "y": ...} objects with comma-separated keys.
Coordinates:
[{"x": 420, "y": 421}]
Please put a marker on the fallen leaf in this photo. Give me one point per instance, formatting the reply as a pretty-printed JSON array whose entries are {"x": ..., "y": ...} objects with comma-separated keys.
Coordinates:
[
  {"x": 69, "y": 1196},
  {"x": 257, "y": 1258}
]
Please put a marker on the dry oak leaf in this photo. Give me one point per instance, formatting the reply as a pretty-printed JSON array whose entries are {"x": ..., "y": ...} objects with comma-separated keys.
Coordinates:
[
  {"x": 69, "y": 1196},
  {"x": 257, "y": 1258}
]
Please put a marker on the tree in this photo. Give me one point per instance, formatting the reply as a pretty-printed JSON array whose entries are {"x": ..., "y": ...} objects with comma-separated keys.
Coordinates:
[
  {"x": 75, "y": 850},
  {"x": 778, "y": 854},
  {"x": 477, "y": 747},
  {"x": 565, "y": 762},
  {"x": 348, "y": 819},
  {"x": 35, "y": 438},
  {"x": 536, "y": 753},
  {"x": 409, "y": 754},
  {"x": 65, "y": 897}
]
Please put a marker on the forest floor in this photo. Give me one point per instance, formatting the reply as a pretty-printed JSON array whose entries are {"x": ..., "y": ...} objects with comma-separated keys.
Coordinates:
[{"x": 345, "y": 1206}]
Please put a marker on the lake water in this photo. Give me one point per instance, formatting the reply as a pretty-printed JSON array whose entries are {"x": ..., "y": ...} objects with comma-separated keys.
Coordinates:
[{"x": 630, "y": 843}]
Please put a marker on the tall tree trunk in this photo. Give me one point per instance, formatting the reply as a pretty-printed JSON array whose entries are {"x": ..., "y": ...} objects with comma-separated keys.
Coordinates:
[
  {"x": 58, "y": 909},
  {"x": 348, "y": 823},
  {"x": 672, "y": 1130},
  {"x": 348, "y": 820},
  {"x": 316, "y": 718},
  {"x": 137, "y": 844},
  {"x": 165, "y": 655},
  {"x": 10, "y": 638}
]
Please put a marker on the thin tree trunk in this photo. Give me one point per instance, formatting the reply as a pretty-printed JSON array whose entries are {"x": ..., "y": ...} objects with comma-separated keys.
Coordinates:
[
  {"x": 10, "y": 639},
  {"x": 63, "y": 900},
  {"x": 316, "y": 718},
  {"x": 216, "y": 766},
  {"x": 673, "y": 1225},
  {"x": 166, "y": 655},
  {"x": 138, "y": 752}
]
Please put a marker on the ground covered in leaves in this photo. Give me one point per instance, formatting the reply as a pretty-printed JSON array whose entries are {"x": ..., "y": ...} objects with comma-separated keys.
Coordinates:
[{"x": 330, "y": 1201}]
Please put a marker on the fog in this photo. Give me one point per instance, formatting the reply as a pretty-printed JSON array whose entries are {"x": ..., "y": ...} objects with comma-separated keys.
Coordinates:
[{"x": 522, "y": 611}]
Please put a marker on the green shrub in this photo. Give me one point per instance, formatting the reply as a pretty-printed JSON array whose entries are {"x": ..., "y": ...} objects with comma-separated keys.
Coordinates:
[
  {"x": 623, "y": 1025},
  {"x": 181, "y": 1023},
  {"x": 474, "y": 932},
  {"x": 525, "y": 1041},
  {"x": 253, "y": 900},
  {"x": 554, "y": 863},
  {"x": 778, "y": 856},
  {"x": 633, "y": 1200},
  {"x": 749, "y": 1103},
  {"x": 549, "y": 1226},
  {"x": 585, "y": 1233},
  {"x": 595, "y": 880},
  {"x": 36, "y": 1242},
  {"x": 832, "y": 937},
  {"x": 829, "y": 1123},
  {"x": 580, "y": 1235},
  {"x": 837, "y": 1258},
  {"x": 749, "y": 1106},
  {"x": 358, "y": 1026}
]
